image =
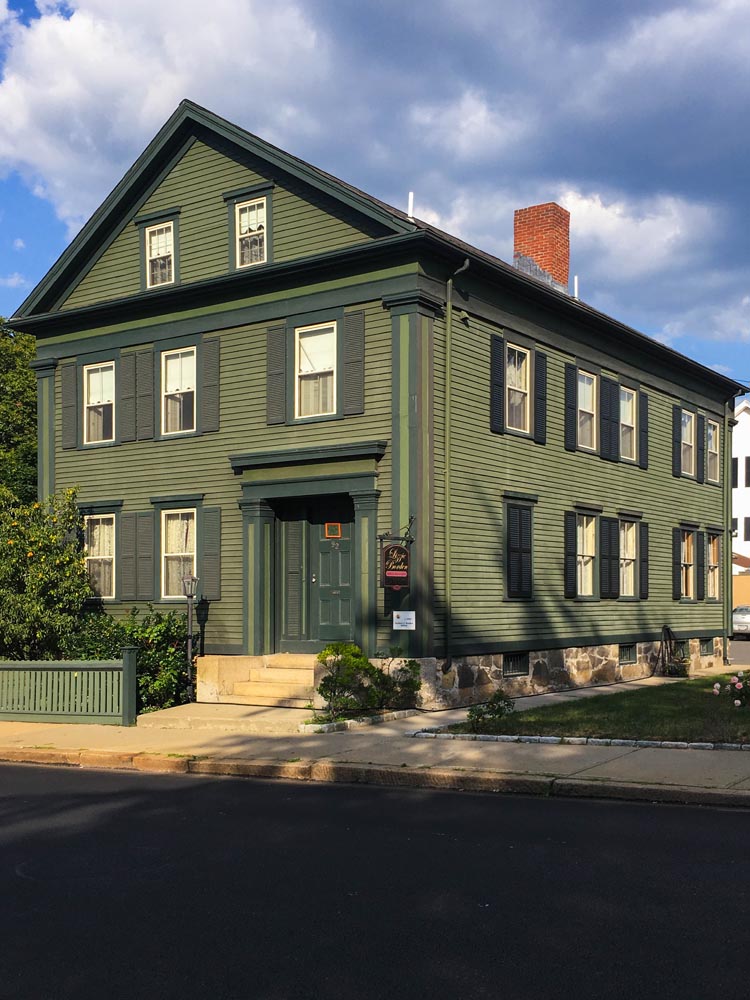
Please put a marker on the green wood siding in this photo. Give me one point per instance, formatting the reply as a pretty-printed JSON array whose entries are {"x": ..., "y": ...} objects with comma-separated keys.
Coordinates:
[
  {"x": 303, "y": 223},
  {"x": 138, "y": 470}
]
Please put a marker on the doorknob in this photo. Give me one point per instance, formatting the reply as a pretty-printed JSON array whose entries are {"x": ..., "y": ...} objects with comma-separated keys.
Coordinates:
[{"x": 314, "y": 579}]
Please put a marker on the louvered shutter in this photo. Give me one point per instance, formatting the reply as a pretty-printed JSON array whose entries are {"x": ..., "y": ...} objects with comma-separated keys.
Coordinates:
[
  {"x": 69, "y": 408},
  {"x": 700, "y": 450},
  {"x": 609, "y": 420},
  {"x": 609, "y": 558},
  {"x": 144, "y": 406},
  {"x": 293, "y": 541},
  {"x": 145, "y": 555},
  {"x": 127, "y": 557},
  {"x": 571, "y": 401},
  {"x": 569, "y": 549},
  {"x": 497, "y": 385},
  {"x": 643, "y": 560},
  {"x": 540, "y": 397},
  {"x": 676, "y": 441},
  {"x": 519, "y": 551},
  {"x": 526, "y": 567},
  {"x": 642, "y": 430},
  {"x": 700, "y": 565},
  {"x": 126, "y": 398},
  {"x": 210, "y": 571},
  {"x": 354, "y": 363},
  {"x": 209, "y": 384},
  {"x": 276, "y": 375},
  {"x": 676, "y": 564}
]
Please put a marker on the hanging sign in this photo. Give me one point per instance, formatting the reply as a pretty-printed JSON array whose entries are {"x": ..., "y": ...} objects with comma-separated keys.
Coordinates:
[
  {"x": 394, "y": 566},
  {"x": 404, "y": 621}
]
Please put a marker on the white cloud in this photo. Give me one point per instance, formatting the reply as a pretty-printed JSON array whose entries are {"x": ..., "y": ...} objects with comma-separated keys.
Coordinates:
[
  {"x": 721, "y": 369},
  {"x": 15, "y": 280},
  {"x": 18, "y": 244},
  {"x": 83, "y": 93},
  {"x": 470, "y": 127},
  {"x": 727, "y": 321}
]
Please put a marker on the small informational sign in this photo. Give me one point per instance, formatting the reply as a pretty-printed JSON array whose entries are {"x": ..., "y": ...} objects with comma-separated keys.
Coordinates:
[
  {"x": 404, "y": 621},
  {"x": 394, "y": 566},
  {"x": 333, "y": 529}
]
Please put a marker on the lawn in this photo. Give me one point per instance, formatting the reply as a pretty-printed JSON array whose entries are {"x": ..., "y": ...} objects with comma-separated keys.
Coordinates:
[{"x": 685, "y": 711}]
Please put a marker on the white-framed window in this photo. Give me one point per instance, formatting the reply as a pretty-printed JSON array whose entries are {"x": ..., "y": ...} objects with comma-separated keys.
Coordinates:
[
  {"x": 585, "y": 553},
  {"x": 517, "y": 369},
  {"x": 99, "y": 544},
  {"x": 159, "y": 254},
  {"x": 250, "y": 227},
  {"x": 177, "y": 550},
  {"x": 627, "y": 558},
  {"x": 713, "y": 575},
  {"x": 687, "y": 576},
  {"x": 627, "y": 423},
  {"x": 99, "y": 402},
  {"x": 586, "y": 411},
  {"x": 315, "y": 367},
  {"x": 712, "y": 451},
  {"x": 178, "y": 391},
  {"x": 687, "y": 452}
]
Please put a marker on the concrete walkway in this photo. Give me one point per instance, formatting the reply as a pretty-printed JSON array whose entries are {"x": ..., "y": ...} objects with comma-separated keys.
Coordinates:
[{"x": 216, "y": 745}]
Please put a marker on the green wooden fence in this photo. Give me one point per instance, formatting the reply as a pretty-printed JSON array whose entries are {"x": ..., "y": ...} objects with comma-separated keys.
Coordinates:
[{"x": 100, "y": 691}]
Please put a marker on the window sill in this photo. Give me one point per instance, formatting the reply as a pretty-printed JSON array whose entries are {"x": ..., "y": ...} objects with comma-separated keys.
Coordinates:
[
  {"x": 518, "y": 600},
  {"x": 322, "y": 418},
  {"x": 86, "y": 445}
]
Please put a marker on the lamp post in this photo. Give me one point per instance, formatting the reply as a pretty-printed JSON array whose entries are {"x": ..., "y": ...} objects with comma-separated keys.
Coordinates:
[{"x": 190, "y": 589}]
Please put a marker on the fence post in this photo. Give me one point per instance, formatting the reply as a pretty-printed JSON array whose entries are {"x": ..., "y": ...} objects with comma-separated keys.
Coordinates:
[{"x": 129, "y": 684}]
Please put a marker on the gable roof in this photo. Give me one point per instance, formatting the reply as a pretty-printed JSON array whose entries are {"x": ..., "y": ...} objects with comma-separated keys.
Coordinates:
[{"x": 192, "y": 120}]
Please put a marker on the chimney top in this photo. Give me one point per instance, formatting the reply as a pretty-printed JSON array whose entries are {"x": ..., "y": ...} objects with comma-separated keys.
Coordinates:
[{"x": 541, "y": 243}]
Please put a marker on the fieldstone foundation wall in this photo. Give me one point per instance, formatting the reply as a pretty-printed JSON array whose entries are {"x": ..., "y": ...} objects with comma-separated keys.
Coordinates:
[{"x": 470, "y": 680}]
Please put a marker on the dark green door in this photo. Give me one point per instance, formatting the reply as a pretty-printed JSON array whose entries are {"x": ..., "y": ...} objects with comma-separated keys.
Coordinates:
[{"x": 315, "y": 574}]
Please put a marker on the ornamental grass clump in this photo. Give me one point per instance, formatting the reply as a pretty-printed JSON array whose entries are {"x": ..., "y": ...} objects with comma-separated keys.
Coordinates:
[{"x": 736, "y": 689}]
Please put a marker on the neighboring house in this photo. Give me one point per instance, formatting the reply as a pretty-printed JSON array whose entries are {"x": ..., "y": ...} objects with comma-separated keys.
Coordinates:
[
  {"x": 254, "y": 372},
  {"x": 741, "y": 504}
]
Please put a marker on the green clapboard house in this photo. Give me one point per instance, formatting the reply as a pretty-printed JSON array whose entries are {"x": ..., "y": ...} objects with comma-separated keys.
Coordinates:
[{"x": 259, "y": 375}]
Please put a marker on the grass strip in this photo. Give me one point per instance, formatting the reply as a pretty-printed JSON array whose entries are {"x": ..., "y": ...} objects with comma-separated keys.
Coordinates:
[{"x": 686, "y": 711}]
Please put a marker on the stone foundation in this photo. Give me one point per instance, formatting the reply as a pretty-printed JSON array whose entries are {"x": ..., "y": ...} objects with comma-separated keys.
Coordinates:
[{"x": 470, "y": 680}]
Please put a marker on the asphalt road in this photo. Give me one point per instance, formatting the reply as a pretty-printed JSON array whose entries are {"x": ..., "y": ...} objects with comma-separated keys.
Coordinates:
[
  {"x": 739, "y": 652},
  {"x": 121, "y": 885}
]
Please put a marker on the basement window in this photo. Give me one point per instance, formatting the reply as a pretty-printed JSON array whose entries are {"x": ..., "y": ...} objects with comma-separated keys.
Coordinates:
[
  {"x": 707, "y": 647},
  {"x": 628, "y": 653},
  {"x": 515, "y": 664}
]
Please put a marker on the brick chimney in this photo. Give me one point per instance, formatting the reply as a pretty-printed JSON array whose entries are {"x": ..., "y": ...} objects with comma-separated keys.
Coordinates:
[{"x": 541, "y": 243}]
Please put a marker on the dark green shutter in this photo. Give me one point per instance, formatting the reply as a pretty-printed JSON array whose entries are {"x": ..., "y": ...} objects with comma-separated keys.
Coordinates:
[
  {"x": 497, "y": 385},
  {"x": 643, "y": 560},
  {"x": 540, "y": 397},
  {"x": 569, "y": 548},
  {"x": 145, "y": 555},
  {"x": 609, "y": 420},
  {"x": 209, "y": 385},
  {"x": 276, "y": 375},
  {"x": 210, "y": 571},
  {"x": 747, "y": 471},
  {"x": 642, "y": 430},
  {"x": 69, "y": 394},
  {"x": 126, "y": 398},
  {"x": 734, "y": 473},
  {"x": 354, "y": 363},
  {"x": 676, "y": 564},
  {"x": 676, "y": 441},
  {"x": 127, "y": 560},
  {"x": 144, "y": 403},
  {"x": 609, "y": 558},
  {"x": 293, "y": 567},
  {"x": 700, "y": 450},
  {"x": 700, "y": 565},
  {"x": 518, "y": 536},
  {"x": 571, "y": 406}
]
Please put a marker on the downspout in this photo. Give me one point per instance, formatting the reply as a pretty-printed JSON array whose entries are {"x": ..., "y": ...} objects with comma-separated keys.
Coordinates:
[
  {"x": 447, "y": 462},
  {"x": 727, "y": 551}
]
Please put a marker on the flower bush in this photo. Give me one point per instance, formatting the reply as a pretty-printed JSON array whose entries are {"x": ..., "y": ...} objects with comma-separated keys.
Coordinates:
[
  {"x": 736, "y": 689},
  {"x": 352, "y": 685}
]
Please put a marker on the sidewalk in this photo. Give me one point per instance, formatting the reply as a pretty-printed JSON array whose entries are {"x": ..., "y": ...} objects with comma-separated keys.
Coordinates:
[{"x": 386, "y": 755}]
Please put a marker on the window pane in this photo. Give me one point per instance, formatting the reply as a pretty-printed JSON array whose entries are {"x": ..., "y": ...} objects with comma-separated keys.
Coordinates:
[
  {"x": 627, "y": 406},
  {"x": 317, "y": 351},
  {"x": 586, "y": 392},
  {"x": 316, "y": 378},
  {"x": 586, "y": 430}
]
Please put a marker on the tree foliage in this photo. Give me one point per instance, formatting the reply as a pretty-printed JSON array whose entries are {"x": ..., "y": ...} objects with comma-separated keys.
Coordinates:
[
  {"x": 43, "y": 579},
  {"x": 18, "y": 442}
]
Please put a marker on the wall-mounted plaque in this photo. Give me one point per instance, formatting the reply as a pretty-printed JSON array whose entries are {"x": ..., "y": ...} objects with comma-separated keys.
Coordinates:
[{"x": 394, "y": 566}]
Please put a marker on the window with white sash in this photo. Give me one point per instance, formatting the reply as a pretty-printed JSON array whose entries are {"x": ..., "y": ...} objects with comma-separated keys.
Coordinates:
[
  {"x": 159, "y": 254},
  {"x": 315, "y": 365},
  {"x": 178, "y": 376},
  {"x": 177, "y": 550},
  {"x": 99, "y": 545},
  {"x": 250, "y": 227},
  {"x": 99, "y": 403}
]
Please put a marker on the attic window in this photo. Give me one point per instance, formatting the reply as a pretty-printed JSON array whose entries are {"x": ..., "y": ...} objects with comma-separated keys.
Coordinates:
[
  {"x": 159, "y": 255},
  {"x": 250, "y": 227}
]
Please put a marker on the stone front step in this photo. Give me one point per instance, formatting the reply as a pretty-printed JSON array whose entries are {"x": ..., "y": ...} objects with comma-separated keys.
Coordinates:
[
  {"x": 299, "y": 676},
  {"x": 270, "y": 701},
  {"x": 273, "y": 689},
  {"x": 231, "y": 718},
  {"x": 283, "y": 679}
]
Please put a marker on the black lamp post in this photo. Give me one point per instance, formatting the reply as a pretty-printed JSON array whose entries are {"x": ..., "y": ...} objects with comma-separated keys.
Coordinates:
[{"x": 190, "y": 589}]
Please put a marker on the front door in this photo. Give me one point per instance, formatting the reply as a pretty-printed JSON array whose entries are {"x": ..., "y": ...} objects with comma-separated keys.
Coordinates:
[{"x": 314, "y": 573}]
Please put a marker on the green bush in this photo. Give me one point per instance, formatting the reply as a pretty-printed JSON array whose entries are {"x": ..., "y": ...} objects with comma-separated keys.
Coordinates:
[
  {"x": 352, "y": 685},
  {"x": 499, "y": 705},
  {"x": 161, "y": 641}
]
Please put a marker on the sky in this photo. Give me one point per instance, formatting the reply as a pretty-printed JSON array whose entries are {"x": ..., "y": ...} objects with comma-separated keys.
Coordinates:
[{"x": 632, "y": 114}]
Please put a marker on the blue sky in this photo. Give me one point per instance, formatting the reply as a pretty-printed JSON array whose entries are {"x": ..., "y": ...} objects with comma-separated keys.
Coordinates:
[{"x": 631, "y": 114}]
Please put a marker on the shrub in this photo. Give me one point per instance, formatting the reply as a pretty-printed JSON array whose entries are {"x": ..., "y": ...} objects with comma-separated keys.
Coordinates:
[
  {"x": 499, "y": 705},
  {"x": 736, "y": 689},
  {"x": 353, "y": 685}
]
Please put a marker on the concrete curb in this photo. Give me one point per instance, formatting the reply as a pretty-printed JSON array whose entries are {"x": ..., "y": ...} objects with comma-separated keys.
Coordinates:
[
  {"x": 592, "y": 741},
  {"x": 334, "y": 772},
  {"x": 370, "y": 720}
]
